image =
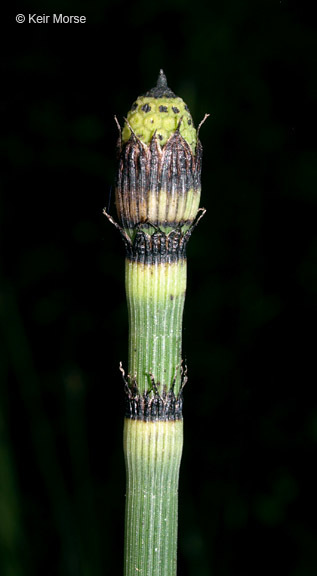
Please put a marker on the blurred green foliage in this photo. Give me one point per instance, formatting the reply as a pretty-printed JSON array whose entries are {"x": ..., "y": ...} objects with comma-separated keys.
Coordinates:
[{"x": 247, "y": 480}]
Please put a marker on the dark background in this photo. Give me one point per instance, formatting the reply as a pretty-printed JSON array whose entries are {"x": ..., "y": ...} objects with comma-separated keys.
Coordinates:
[{"x": 247, "y": 487}]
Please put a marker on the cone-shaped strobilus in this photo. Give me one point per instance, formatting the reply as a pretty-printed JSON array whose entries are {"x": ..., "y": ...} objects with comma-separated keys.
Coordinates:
[{"x": 157, "y": 198}]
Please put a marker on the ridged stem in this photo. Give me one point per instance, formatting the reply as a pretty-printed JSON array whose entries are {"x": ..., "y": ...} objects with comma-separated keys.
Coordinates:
[
  {"x": 155, "y": 296},
  {"x": 152, "y": 455}
]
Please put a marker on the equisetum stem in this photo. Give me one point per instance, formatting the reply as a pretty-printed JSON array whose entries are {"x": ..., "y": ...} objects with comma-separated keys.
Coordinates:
[
  {"x": 152, "y": 455},
  {"x": 157, "y": 199},
  {"x": 155, "y": 297}
]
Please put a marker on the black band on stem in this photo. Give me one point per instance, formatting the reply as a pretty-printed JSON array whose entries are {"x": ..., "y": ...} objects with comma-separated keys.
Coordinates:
[
  {"x": 157, "y": 247},
  {"x": 151, "y": 406}
]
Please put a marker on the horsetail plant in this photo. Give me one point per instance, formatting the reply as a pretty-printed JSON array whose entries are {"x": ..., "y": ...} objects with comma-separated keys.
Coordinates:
[{"x": 157, "y": 199}]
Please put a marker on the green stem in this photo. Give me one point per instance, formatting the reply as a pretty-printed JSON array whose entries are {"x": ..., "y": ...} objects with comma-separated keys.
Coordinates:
[
  {"x": 152, "y": 455},
  {"x": 155, "y": 296}
]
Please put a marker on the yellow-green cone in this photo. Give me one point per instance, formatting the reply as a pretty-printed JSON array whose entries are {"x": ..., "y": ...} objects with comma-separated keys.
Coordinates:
[{"x": 159, "y": 112}]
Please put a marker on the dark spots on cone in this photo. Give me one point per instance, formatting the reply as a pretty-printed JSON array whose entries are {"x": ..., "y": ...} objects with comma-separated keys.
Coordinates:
[
  {"x": 186, "y": 108},
  {"x": 160, "y": 137},
  {"x": 163, "y": 108},
  {"x": 146, "y": 108},
  {"x": 134, "y": 106},
  {"x": 175, "y": 110},
  {"x": 189, "y": 122},
  {"x": 171, "y": 297}
]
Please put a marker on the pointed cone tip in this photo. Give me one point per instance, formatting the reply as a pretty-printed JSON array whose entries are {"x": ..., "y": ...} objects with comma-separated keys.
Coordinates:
[
  {"x": 161, "y": 89},
  {"x": 162, "y": 80}
]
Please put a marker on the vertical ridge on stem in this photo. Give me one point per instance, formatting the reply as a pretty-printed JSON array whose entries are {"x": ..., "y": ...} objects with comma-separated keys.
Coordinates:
[
  {"x": 155, "y": 295},
  {"x": 152, "y": 454}
]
